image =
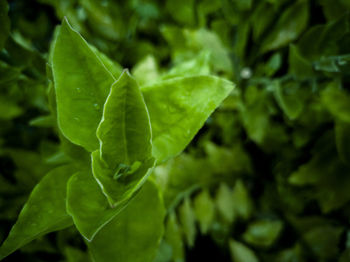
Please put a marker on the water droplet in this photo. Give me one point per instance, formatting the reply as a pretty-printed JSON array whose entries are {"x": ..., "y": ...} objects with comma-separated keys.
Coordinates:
[
  {"x": 78, "y": 89},
  {"x": 76, "y": 119},
  {"x": 246, "y": 73},
  {"x": 97, "y": 106}
]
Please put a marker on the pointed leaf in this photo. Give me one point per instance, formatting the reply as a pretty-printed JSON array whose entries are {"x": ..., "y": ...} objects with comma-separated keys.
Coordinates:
[
  {"x": 134, "y": 235},
  {"x": 241, "y": 253},
  {"x": 225, "y": 204},
  {"x": 125, "y": 154},
  {"x": 288, "y": 28},
  {"x": 121, "y": 183},
  {"x": 82, "y": 83},
  {"x": 243, "y": 204},
  {"x": 124, "y": 132},
  {"x": 44, "y": 212},
  {"x": 263, "y": 233},
  {"x": 179, "y": 107},
  {"x": 188, "y": 221},
  {"x": 173, "y": 237},
  {"x": 87, "y": 205},
  {"x": 204, "y": 209}
]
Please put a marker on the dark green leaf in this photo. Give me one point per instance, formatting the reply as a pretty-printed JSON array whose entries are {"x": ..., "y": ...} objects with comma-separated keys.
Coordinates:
[
  {"x": 4, "y": 23},
  {"x": 263, "y": 233},
  {"x": 44, "y": 212},
  {"x": 288, "y": 28}
]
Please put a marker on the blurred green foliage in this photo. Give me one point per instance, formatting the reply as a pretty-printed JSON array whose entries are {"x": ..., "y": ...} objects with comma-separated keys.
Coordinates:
[{"x": 267, "y": 178}]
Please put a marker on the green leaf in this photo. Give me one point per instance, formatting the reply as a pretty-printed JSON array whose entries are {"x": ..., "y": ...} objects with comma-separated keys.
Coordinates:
[
  {"x": 188, "y": 221},
  {"x": 9, "y": 109},
  {"x": 173, "y": 237},
  {"x": 204, "y": 209},
  {"x": 337, "y": 101},
  {"x": 288, "y": 28},
  {"x": 187, "y": 43},
  {"x": 113, "y": 67},
  {"x": 298, "y": 64},
  {"x": 263, "y": 233},
  {"x": 44, "y": 212},
  {"x": 125, "y": 155},
  {"x": 289, "y": 98},
  {"x": 327, "y": 173},
  {"x": 243, "y": 204},
  {"x": 4, "y": 24},
  {"x": 224, "y": 203},
  {"x": 82, "y": 84},
  {"x": 179, "y": 107},
  {"x": 326, "y": 39},
  {"x": 120, "y": 183},
  {"x": 241, "y": 253},
  {"x": 134, "y": 235},
  {"x": 200, "y": 65},
  {"x": 87, "y": 205},
  {"x": 201, "y": 40},
  {"x": 324, "y": 241},
  {"x": 124, "y": 131},
  {"x": 261, "y": 18},
  {"x": 146, "y": 71},
  {"x": 76, "y": 255},
  {"x": 183, "y": 11}
]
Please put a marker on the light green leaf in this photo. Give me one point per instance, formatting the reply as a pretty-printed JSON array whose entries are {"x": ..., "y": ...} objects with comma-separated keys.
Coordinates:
[
  {"x": 188, "y": 221},
  {"x": 4, "y": 23},
  {"x": 124, "y": 131},
  {"x": 204, "y": 209},
  {"x": 87, "y": 205},
  {"x": 202, "y": 39},
  {"x": 82, "y": 84},
  {"x": 200, "y": 65},
  {"x": 179, "y": 107},
  {"x": 225, "y": 204},
  {"x": 44, "y": 212},
  {"x": 125, "y": 154},
  {"x": 121, "y": 183},
  {"x": 241, "y": 253},
  {"x": 112, "y": 66},
  {"x": 173, "y": 237},
  {"x": 146, "y": 71},
  {"x": 134, "y": 235}
]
